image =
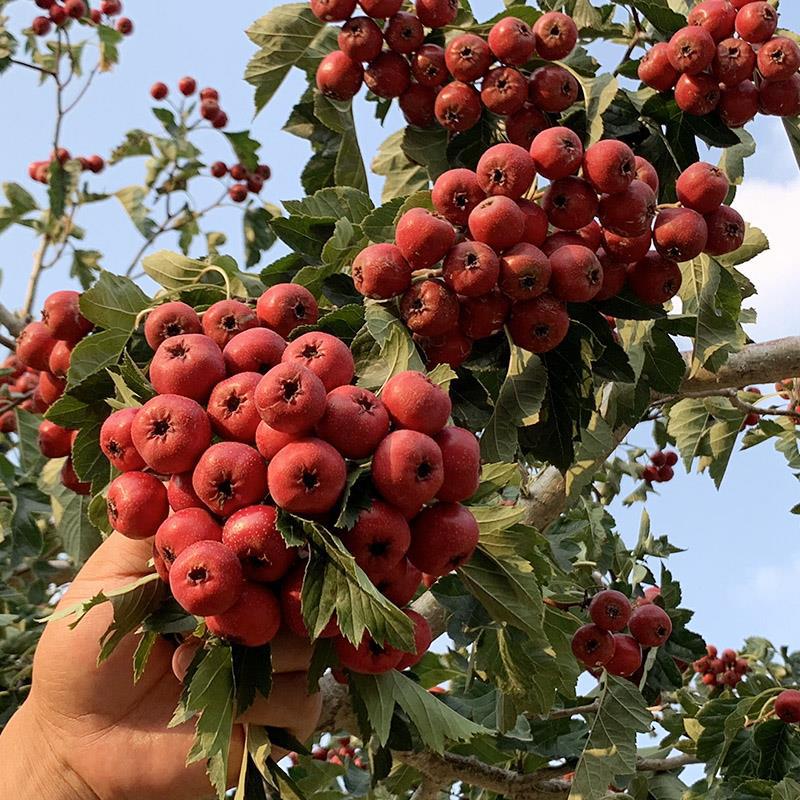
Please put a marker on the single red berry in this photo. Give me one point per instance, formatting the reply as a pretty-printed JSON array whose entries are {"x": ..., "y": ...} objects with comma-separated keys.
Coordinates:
[
  {"x": 511, "y": 40},
  {"x": 124, "y": 26},
  {"x": 458, "y": 107},
  {"x": 691, "y": 50},
  {"x": 655, "y": 279},
  {"x": 505, "y": 169},
  {"x": 360, "y": 39},
  {"x": 555, "y": 35},
  {"x": 538, "y": 325},
  {"x": 388, "y": 75},
  {"x": 778, "y": 59},
  {"x": 656, "y": 70},
  {"x": 680, "y": 234},
  {"x": 570, "y": 203},
  {"x": 404, "y": 33},
  {"x": 718, "y": 17},
  {"x": 380, "y": 271},
  {"x": 338, "y": 76},
  {"x": 780, "y": 98},
  {"x": 726, "y": 230},
  {"x": 740, "y": 104},
  {"x": 610, "y": 610},
  {"x": 650, "y": 625},
  {"x": 593, "y": 646},
  {"x": 333, "y": 10},
  {"x": 285, "y": 306},
  {"x": 504, "y": 90},
  {"x": 757, "y": 22},
  {"x": 137, "y": 504},
  {"x": 557, "y": 153},
  {"x": 455, "y": 194},
  {"x": 787, "y": 706},
  {"x": 524, "y": 125},
  {"x": 627, "y": 656},
  {"x": 467, "y": 57},
  {"x": 206, "y": 578},
  {"x": 427, "y": 65},
  {"x": 436, "y": 13},
  {"x": 219, "y": 169},
  {"x": 553, "y": 89},
  {"x": 41, "y": 26},
  {"x": 734, "y": 62},
  {"x": 702, "y": 187},
  {"x": 443, "y": 537}
]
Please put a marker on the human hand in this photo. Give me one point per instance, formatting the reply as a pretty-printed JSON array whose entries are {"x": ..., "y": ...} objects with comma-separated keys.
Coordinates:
[{"x": 90, "y": 733}]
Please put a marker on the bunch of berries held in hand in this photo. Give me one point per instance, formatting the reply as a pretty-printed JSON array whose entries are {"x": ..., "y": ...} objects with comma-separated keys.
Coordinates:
[
  {"x": 725, "y": 669},
  {"x": 508, "y": 260},
  {"x": 602, "y": 643},
  {"x": 210, "y": 108},
  {"x": 661, "y": 468},
  {"x": 61, "y": 14},
  {"x": 40, "y": 170},
  {"x": 437, "y": 85},
  {"x": 47, "y": 346},
  {"x": 246, "y": 181},
  {"x": 244, "y": 425},
  {"x": 728, "y": 59}
]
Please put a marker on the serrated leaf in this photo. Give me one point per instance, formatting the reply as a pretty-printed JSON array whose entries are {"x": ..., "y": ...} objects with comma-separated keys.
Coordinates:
[
  {"x": 334, "y": 203},
  {"x": 94, "y": 353},
  {"x": 245, "y": 148},
  {"x": 403, "y": 176},
  {"x": 755, "y": 242},
  {"x": 114, "y": 302},
  {"x": 133, "y": 201}
]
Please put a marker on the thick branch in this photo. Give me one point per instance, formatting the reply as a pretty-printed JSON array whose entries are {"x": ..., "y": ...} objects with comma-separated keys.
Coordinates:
[{"x": 10, "y": 321}]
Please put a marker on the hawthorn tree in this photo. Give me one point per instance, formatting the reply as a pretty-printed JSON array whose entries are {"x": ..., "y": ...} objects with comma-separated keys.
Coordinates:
[{"x": 548, "y": 332}]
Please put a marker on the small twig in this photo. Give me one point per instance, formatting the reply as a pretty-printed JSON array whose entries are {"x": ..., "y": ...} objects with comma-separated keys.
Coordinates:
[
  {"x": 13, "y": 323},
  {"x": 7, "y": 342},
  {"x": 565, "y": 713},
  {"x": 35, "y": 67},
  {"x": 83, "y": 91},
  {"x": 33, "y": 279},
  {"x": 733, "y": 396}
]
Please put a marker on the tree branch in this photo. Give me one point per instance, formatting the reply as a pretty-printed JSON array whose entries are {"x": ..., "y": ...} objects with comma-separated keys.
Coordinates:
[{"x": 12, "y": 322}]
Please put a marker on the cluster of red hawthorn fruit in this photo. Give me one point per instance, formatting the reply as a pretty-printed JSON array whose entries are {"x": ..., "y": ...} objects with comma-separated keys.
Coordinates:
[
  {"x": 787, "y": 706},
  {"x": 210, "y": 108},
  {"x": 246, "y": 181},
  {"x": 61, "y": 14},
  {"x": 241, "y": 415},
  {"x": 661, "y": 468},
  {"x": 725, "y": 669},
  {"x": 18, "y": 385},
  {"x": 739, "y": 75},
  {"x": 509, "y": 260},
  {"x": 601, "y": 643},
  {"x": 435, "y": 84},
  {"x": 40, "y": 170}
]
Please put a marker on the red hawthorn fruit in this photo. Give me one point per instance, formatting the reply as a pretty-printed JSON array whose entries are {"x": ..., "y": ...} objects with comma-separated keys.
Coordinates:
[
  {"x": 290, "y": 398},
  {"x": 740, "y": 104},
  {"x": 511, "y": 41},
  {"x": 170, "y": 319},
  {"x": 231, "y": 407},
  {"x": 717, "y": 17},
  {"x": 401, "y": 586},
  {"x": 757, "y": 22},
  {"x": 467, "y": 57},
  {"x": 461, "y": 460},
  {"x": 355, "y": 422},
  {"x": 422, "y": 640},
  {"x": 631, "y": 212},
  {"x": 423, "y": 238},
  {"x": 538, "y": 325},
  {"x": 116, "y": 440},
  {"x": 326, "y": 356},
  {"x": 453, "y": 348},
  {"x": 34, "y": 345},
  {"x": 576, "y": 274},
  {"x": 96, "y": 163},
  {"x": 255, "y": 184},
  {"x": 787, "y": 706},
  {"x": 656, "y": 70},
  {"x": 627, "y": 249},
  {"x": 269, "y": 442},
  {"x": 224, "y": 319},
  {"x": 252, "y": 534},
  {"x": 206, "y": 578},
  {"x": 291, "y": 606},
  {"x": 208, "y": 93},
  {"x": 58, "y": 16},
  {"x": 436, "y": 13},
  {"x": 610, "y": 610},
  {"x": 307, "y": 477},
  {"x": 229, "y": 476},
  {"x": 778, "y": 59},
  {"x": 609, "y": 166},
  {"x": 136, "y": 504},
  {"x": 702, "y": 187},
  {"x": 252, "y": 621},
  {"x": 557, "y": 153},
  {"x": 418, "y": 104},
  {"x": 627, "y": 656},
  {"x": 388, "y": 75},
  {"x": 780, "y": 98},
  {"x": 555, "y": 35},
  {"x": 455, "y": 194},
  {"x": 181, "y": 530},
  {"x": 523, "y": 126},
  {"x": 484, "y": 316},
  {"x": 552, "y": 88},
  {"x": 524, "y": 272},
  {"x": 286, "y": 306},
  {"x": 338, "y": 76},
  {"x": 650, "y": 625},
  {"x": 443, "y": 537},
  {"x": 209, "y": 109},
  {"x": 360, "y": 39},
  {"x": 170, "y": 432},
  {"x": 187, "y": 86},
  {"x": 458, "y": 107},
  {"x": 427, "y": 65},
  {"x": 379, "y": 540},
  {"x": 415, "y": 403},
  {"x": 561, "y": 239},
  {"x": 536, "y": 222},
  {"x": 407, "y": 470},
  {"x": 734, "y": 62},
  {"x": 238, "y": 172},
  {"x": 691, "y": 50},
  {"x": 219, "y": 169},
  {"x": 697, "y": 94},
  {"x": 41, "y": 26},
  {"x": 332, "y": 10},
  {"x": 615, "y": 275},
  {"x": 220, "y": 121},
  {"x": 570, "y": 203},
  {"x": 189, "y": 365},
  {"x": 655, "y": 279},
  {"x": 380, "y": 9},
  {"x": 726, "y": 231},
  {"x": 593, "y": 646},
  {"x": 160, "y": 566},
  {"x": 70, "y": 479},
  {"x": 61, "y": 313},
  {"x": 429, "y": 308},
  {"x": 591, "y": 235},
  {"x": 504, "y": 90},
  {"x": 404, "y": 33},
  {"x": 680, "y": 233},
  {"x": 253, "y": 350},
  {"x": 471, "y": 269},
  {"x": 50, "y": 388},
  {"x": 380, "y": 271},
  {"x": 54, "y": 441},
  {"x": 369, "y": 658},
  {"x": 505, "y": 169},
  {"x": 646, "y": 173}
]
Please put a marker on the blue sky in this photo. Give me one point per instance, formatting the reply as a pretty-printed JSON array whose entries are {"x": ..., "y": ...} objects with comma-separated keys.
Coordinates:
[{"x": 742, "y": 564}]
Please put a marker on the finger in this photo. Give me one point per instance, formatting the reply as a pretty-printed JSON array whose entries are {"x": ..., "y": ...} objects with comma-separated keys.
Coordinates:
[
  {"x": 288, "y": 706},
  {"x": 290, "y": 653},
  {"x": 184, "y": 655}
]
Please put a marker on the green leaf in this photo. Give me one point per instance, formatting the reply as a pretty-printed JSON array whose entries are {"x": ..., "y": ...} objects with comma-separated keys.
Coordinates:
[
  {"x": 245, "y": 148},
  {"x": 598, "y": 94},
  {"x": 252, "y": 672},
  {"x": 130, "y": 609},
  {"x": 378, "y": 226},
  {"x": 137, "y": 143},
  {"x": 610, "y": 750},
  {"x": 113, "y": 302},
  {"x": 94, "y": 353},
  {"x": 31, "y": 460},
  {"x": 403, "y": 176},
  {"x": 792, "y": 128},
  {"x": 21, "y": 200},
  {"x": 333, "y": 203},
  {"x": 658, "y": 12},
  {"x": 85, "y": 263},
  {"x": 755, "y": 242},
  {"x": 132, "y": 199},
  {"x": 349, "y": 165},
  {"x": 175, "y": 271}
]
